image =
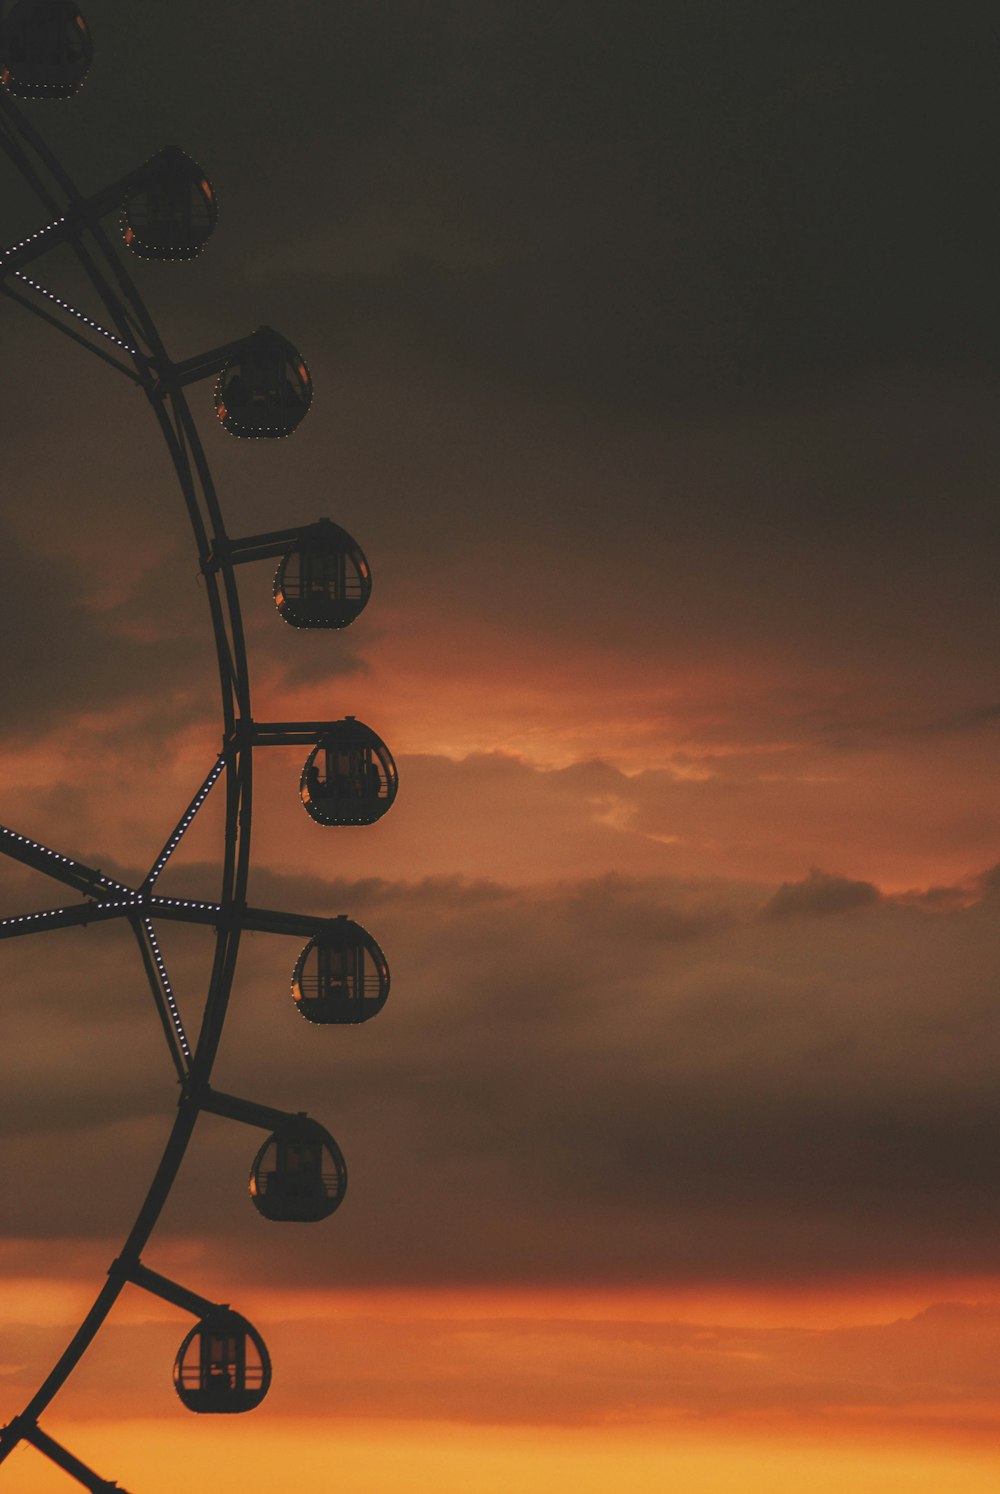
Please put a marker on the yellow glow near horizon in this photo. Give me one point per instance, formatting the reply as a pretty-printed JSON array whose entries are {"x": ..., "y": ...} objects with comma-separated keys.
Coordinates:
[{"x": 406, "y": 1458}]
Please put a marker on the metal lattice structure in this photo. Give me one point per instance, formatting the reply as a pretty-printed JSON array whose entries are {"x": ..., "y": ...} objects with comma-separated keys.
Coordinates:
[{"x": 263, "y": 389}]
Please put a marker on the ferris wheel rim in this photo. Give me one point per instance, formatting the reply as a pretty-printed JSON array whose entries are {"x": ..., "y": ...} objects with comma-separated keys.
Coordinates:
[{"x": 237, "y": 749}]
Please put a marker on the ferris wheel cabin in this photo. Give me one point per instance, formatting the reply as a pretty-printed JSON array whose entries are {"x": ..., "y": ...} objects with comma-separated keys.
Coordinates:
[
  {"x": 222, "y": 1366},
  {"x": 341, "y": 977},
  {"x": 45, "y": 49},
  {"x": 171, "y": 213},
  {"x": 325, "y": 582},
  {"x": 299, "y": 1175},
  {"x": 349, "y": 778},
  {"x": 264, "y": 390}
]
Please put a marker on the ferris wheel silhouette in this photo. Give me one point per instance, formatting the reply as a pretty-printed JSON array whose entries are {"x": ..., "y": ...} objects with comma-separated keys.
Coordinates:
[{"x": 263, "y": 389}]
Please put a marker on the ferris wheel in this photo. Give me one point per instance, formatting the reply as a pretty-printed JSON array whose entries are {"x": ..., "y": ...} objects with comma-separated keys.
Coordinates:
[{"x": 166, "y": 210}]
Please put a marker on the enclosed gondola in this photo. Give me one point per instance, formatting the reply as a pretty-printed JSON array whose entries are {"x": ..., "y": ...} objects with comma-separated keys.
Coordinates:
[
  {"x": 223, "y": 1365},
  {"x": 349, "y": 778},
  {"x": 45, "y": 49},
  {"x": 171, "y": 211},
  {"x": 325, "y": 581},
  {"x": 342, "y": 976},
  {"x": 299, "y": 1175},
  {"x": 264, "y": 389}
]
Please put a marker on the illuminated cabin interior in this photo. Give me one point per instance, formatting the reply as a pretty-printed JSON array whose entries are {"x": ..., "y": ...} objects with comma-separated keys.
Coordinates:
[
  {"x": 299, "y": 1174},
  {"x": 349, "y": 778},
  {"x": 325, "y": 581},
  {"x": 171, "y": 214},
  {"x": 341, "y": 977},
  {"x": 47, "y": 49},
  {"x": 222, "y": 1366},
  {"x": 264, "y": 390}
]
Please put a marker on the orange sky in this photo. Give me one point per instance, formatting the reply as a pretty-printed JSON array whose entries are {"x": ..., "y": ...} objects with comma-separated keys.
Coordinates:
[
  {"x": 474, "y": 1390},
  {"x": 668, "y": 425}
]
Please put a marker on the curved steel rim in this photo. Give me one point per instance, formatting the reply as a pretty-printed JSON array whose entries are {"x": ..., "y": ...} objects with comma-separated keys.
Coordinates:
[{"x": 155, "y": 372}]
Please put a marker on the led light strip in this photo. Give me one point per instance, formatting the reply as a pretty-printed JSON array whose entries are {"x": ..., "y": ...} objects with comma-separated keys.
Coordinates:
[
  {"x": 168, "y": 989},
  {"x": 196, "y": 803},
  {"x": 8, "y": 923},
  {"x": 15, "y": 248},
  {"x": 65, "y": 306},
  {"x": 35, "y": 845},
  {"x": 31, "y": 239}
]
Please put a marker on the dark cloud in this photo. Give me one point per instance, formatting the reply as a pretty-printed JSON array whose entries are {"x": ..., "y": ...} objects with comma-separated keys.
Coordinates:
[
  {"x": 616, "y": 1080},
  {"x": 95, "y": 658},
  {"x": 689, "y": 205},
  {"x": 820, "y": 893},
  {"x": 654, "y": 361},
  {"x": 990, "y": 880},
  {"x": 509, "y": 320}
]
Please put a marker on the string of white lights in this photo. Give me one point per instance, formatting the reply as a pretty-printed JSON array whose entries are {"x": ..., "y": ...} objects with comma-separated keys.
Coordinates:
[
  {"x": 65, "y": 306},
  {"x": 182, "y": 902},
  {"x": 188, "y": 816},
  {"x": 168, "y": 990},
  {"x": 9, "y": 923},
  {"x": 31, "y": 239},
  {"x": 35, "y": 845}
]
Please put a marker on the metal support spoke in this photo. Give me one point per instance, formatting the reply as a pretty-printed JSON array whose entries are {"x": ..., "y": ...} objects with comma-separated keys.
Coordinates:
[
  {"x": 161, "y": 1286},
  {"x": 187, "y": 910},
  {"x": 37, "y": 243},
  {"x": 205, "y": 365},
  {"x": 68, "y": 1462},
  {"x": 289, "y": 733},
  {"x": 254, "y": 920},
  {"x": 66, "y": 918},
  {"x": 124, "y": 319},
  {"x": 175, "y": 910},
  {"x": 168, "y": 989},
  {"x": 163, "y": 997},
  {"x": 81, "y": 316},
  {"x": 10, "y": 143},
  {"x": 269, "y": 546},
  {"x": 247, "y": 1111},
  {"x": 69, "y": 332},
  {"x": 266, "y": 921},
  {"x": 184, "y": 822},
  {"x": 63, "y": 868}
]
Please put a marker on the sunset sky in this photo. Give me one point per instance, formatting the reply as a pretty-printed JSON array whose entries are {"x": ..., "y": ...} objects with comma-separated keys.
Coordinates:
[{"x": 655, "y": 352}]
